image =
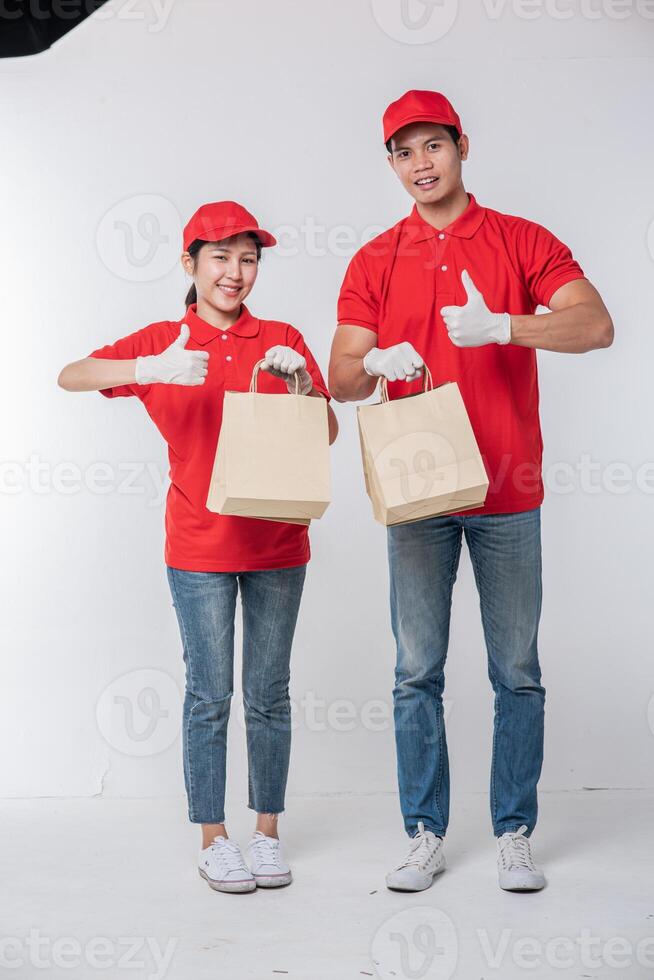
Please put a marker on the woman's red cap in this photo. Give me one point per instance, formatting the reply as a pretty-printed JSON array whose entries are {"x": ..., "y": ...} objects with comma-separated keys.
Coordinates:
[{"x": 215, "y": 222}]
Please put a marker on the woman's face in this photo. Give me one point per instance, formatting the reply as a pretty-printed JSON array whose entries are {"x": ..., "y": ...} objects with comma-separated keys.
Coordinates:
[{"x": 225, "y": 272}]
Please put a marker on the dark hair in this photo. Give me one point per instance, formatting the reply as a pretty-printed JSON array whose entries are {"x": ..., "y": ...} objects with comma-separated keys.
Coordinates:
[
  {"x": 194, "y": 248},
  {"x": 452, "y": 130}
]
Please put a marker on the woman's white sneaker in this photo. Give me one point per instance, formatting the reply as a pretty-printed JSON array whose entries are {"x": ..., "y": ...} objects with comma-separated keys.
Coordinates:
[
  {"x": 424, "y": 860},
  {"x": 269, "y": 868},
  {"x": 515, "y": 865},
  {"x": 223, "y": 866}
]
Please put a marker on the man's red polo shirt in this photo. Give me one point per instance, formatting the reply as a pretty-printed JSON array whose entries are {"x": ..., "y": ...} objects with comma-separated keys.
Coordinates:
[
  {"x": 189, "y": 419},
  {"x": 396, "y": 286}
]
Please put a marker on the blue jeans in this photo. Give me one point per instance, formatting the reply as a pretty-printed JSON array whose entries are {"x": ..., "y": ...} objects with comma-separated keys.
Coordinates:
[
  {"x": 423, "y": 559},
  {"x": 205, "y": 603}
]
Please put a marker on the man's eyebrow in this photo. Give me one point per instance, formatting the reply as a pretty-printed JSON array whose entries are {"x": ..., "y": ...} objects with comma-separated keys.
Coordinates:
[{"x": 431, "y": 139}]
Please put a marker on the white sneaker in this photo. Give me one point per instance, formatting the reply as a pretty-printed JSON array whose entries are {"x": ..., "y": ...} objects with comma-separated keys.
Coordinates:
[
  {"x": 424, "y": 860},
  {"x": 515, "y": 865},
  {"x": 269, "y": 868},
  {"x": 222, "y": 865}
]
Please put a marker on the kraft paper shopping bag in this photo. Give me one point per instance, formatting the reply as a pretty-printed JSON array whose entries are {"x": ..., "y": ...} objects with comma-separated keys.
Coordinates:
[
  {"x": 420, "y": 456},
  {"x": 272, "y": 458}
]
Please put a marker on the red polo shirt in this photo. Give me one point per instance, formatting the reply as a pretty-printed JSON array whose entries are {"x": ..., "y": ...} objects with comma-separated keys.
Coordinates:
[
  {"x": 396, "y": 286},
  {"x": 189, "y": 419}
]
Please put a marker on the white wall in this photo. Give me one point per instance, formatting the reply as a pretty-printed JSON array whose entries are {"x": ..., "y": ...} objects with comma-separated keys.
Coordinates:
[{"x": 277, "y": 104}]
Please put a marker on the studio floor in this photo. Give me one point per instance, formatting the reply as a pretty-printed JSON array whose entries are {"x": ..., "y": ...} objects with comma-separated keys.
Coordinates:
[{"x": 110, "y": 888}]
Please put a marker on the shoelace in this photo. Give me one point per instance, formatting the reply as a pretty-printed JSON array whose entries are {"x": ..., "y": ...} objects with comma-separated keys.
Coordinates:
[
  {"x": 420, "y": 850},
  {"x": 515, "y": 851},
  {"x": 266, "y": 849},
  {"x": 228, "y": 854}
]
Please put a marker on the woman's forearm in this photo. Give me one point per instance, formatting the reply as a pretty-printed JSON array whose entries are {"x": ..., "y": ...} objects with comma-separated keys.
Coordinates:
[{"x": 96, "y": 373}]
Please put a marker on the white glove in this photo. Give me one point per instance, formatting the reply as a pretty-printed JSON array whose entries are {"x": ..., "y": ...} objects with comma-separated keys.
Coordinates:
[
  {"x": 283, "y": 362},
  {"x": 473, "y": 325},
  {"x": 398, "y": 363},
  {"x": 174, "y": 366}
]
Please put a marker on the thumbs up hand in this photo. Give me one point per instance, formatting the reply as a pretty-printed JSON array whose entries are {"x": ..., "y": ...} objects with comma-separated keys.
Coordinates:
[
  {"x": 175, "y": 365},
  {"x": 473, "y": 325}
]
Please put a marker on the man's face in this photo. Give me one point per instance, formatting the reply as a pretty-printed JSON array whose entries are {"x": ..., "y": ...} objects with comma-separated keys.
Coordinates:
[{"x": 427, "y": 161}]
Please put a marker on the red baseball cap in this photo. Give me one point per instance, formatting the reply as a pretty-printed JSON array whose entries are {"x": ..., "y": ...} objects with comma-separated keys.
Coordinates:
[
  {"x": 416, "y": 106},
  {"x": 215, "y": 222}
]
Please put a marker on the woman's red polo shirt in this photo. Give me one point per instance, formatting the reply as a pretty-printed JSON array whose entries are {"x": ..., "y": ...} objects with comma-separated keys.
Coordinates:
[
  {"x": 189, "y": 419},
  {"x": 396, "y": 286}
]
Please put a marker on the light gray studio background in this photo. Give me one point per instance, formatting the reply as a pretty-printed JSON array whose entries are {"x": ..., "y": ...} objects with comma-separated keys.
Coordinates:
[{"x": 110, "y": 141}]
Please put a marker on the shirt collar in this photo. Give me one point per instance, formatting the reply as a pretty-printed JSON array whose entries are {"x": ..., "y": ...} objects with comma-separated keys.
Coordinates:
[
  {"x": 203, "y": 332},
  {"x": 465, "y": 226}
]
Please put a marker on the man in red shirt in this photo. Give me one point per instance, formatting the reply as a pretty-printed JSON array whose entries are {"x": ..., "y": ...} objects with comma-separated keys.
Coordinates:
[{"x": 455, "y": 286}]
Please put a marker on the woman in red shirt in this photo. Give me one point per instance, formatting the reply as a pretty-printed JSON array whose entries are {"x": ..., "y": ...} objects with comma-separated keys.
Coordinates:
[{"x": 180, "y": 371}]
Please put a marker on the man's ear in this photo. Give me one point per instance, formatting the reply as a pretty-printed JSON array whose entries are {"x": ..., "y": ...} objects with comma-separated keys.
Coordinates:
[{"x": 463, "y": 146}]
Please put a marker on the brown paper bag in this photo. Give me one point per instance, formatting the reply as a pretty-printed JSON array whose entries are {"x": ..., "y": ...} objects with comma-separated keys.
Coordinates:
[
  {"x": 272, "y": 458},
  {"x": 420, "y": 455}
]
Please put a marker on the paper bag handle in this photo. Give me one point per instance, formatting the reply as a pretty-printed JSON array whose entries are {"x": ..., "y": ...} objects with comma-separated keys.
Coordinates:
[
  {"x": 255, "y": 375},
  {"x": 428, "y": 384}
]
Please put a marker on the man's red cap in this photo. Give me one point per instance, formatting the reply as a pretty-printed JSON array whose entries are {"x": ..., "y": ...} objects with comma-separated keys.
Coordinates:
[
  {"x": 415, "y": 106},
  {"x": 215, "y": 222}
]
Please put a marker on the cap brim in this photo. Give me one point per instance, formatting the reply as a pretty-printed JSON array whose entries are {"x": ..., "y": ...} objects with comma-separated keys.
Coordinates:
[
  {"x": 421, "y": 117},
  {"x": 218, "y": 235}
]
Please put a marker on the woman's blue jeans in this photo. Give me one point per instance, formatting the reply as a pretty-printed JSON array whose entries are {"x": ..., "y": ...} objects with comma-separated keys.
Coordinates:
[
  {"x": 423, "y": 559},
  {"x": 205, "y": 603}
]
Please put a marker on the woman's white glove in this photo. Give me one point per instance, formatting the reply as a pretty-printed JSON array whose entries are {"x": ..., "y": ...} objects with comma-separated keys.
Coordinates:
[
  {"x": 473, "y": 325},
  {"x": 401, "y": 362},
  {"x": 175, "y": 365},
  {"x": 283, "y": 362}
]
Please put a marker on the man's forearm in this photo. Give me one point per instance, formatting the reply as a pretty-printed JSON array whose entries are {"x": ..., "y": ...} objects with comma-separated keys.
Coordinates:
[
  {"x": 349, "y": 381},
  {"x": 574, "y": 330}
]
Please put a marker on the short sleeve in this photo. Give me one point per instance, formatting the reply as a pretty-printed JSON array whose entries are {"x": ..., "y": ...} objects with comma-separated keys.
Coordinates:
[
  {"x": 546, "y": 263},
  {"x": 136, "y": 344},
  {"x": 295, "y": 340},
  {"x": 358, "y": 301}
]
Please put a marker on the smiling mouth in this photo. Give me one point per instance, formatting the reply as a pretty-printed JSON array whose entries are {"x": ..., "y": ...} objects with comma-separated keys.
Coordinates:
[
  {"x": 426, "y": 181},
  {"x": 229, "y": 290}
]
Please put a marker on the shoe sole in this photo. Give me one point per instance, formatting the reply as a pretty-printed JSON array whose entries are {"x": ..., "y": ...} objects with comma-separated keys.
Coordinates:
[
  {"x": 233, "y": 887},
  {"x": 518, "y": 886},
  {"x": 273, "y": 881},
  {"x": 399, "y": 888}
]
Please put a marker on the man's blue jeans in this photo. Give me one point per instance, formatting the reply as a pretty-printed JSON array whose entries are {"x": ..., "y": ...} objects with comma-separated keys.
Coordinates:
[
  {"x": 205, "y": 603},
  {"x": 423, "y": 559}
]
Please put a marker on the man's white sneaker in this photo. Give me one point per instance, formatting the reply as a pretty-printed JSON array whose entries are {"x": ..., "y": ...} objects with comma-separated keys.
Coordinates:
[
  {"x": 222, "y": 865},
  {"x": 424, "y": 860},
  {"x": 515, "y": 865},
  {"x": 269, "y": 868}
]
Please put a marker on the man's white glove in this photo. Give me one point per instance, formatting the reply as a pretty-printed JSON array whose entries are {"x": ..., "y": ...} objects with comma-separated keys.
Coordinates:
[
  {"x": 175, "y": 365},
  {"x": 283, "y": 362},
  {"x": 473, "y": 325},
  {"x": 401, "y": 362}
]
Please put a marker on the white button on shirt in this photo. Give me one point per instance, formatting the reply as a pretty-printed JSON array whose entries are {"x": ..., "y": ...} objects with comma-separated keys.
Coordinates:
[
  {"x": 441, "y": 236},
  {"x": 443, "y": 268}
]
